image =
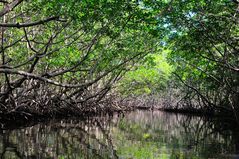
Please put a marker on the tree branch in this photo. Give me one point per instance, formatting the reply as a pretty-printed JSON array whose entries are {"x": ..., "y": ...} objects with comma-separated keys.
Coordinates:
[
  {"x": 7, "y": 8},
  {"x": 21, "y": 25}
]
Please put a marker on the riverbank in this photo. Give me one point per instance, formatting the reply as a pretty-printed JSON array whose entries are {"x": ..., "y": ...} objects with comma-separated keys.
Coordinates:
[{"x": 25, "y": 117}]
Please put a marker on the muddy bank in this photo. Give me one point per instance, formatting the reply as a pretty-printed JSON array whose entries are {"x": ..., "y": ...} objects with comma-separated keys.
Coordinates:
[
  {"x": 30, "y": 115},
  {"x": 26, "y": 116},
  {"x": 195, "y": 112}
]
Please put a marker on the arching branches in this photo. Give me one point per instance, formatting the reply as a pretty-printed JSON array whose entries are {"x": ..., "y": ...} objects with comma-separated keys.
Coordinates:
[{"x": 68, "y": 54}]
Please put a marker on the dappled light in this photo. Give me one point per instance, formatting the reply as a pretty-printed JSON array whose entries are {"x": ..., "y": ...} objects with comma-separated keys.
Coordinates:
[
  {"x": 66, "y": 66},
  {"x": 139, "y": 134}
]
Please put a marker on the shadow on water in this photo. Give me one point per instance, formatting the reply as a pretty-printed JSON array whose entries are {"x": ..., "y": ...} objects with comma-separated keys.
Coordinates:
[{"x": 139, "y": 134}]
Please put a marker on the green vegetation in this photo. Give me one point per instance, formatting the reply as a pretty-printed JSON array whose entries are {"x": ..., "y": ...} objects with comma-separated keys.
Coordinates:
[
  {"x": 66, "y": 55},
  {"x": 60, "y": 57},
  {"x": 204, "y": 43},
  {"x": 148, "y": 78},
  {"x": 202, "y": 38}
]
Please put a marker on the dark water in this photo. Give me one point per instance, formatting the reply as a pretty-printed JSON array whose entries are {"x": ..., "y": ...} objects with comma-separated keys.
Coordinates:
[{"x": 140, "y": 134}]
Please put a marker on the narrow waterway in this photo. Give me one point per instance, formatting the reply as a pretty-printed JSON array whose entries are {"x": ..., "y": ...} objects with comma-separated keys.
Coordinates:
[{"x": 139, "y": 134}]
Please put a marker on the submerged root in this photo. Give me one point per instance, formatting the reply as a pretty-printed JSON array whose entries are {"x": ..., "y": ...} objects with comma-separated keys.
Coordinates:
[{"x": 35, "y": 107}]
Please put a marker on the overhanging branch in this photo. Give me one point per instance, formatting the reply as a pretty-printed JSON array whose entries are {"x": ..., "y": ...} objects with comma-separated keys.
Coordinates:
[
  {"x": 7, "y": 8},
  {"x": 21, "y": 25}
]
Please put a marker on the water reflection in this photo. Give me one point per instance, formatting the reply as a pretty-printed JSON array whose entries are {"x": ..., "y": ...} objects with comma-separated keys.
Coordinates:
[{"x": 140, "y": 134}]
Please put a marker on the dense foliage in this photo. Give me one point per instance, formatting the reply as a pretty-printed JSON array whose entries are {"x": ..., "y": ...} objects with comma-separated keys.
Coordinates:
[
  {"x": 148, "y": 78},
  {"x": 203, "y": 39},
  {"x": 69, "y": 54},
  {"x": 204, "y": 42}
]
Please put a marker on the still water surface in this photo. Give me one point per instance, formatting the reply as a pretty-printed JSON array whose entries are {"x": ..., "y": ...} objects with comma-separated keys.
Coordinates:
[{"x": 139, "y": 134}]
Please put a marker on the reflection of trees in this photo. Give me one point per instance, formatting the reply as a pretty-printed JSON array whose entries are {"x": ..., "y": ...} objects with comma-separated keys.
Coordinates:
[
  {"x": 186, "y": 134},
  {"x": 175, "y": 135},
  {"x": 69, "y": 139},
  {"x": 7, "y": 147},
  {"x": 210, "y": 136}
]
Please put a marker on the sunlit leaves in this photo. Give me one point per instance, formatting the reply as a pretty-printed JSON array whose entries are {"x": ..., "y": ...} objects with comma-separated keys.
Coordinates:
[{"x": 149, "y": 78}]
